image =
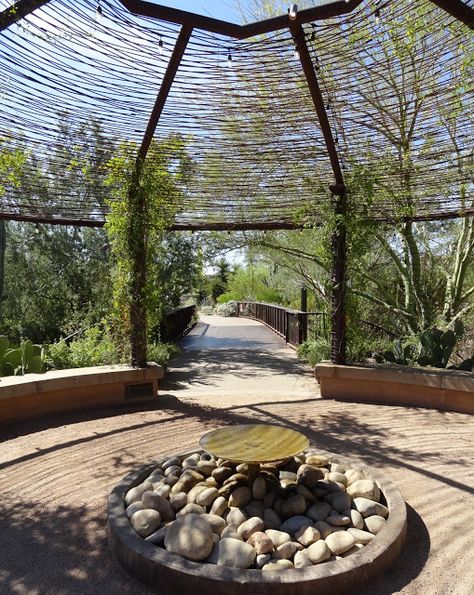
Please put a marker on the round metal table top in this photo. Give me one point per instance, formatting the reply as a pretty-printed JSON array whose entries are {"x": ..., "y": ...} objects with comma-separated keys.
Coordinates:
[{"x": 254, "y": 443}]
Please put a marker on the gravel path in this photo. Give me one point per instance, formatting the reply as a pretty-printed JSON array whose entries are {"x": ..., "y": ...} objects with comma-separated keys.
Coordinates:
[{"x": 55, "y": 475}]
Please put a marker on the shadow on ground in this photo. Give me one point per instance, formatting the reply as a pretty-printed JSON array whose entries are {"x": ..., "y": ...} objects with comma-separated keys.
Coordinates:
[{"x": 206, "y": 368}]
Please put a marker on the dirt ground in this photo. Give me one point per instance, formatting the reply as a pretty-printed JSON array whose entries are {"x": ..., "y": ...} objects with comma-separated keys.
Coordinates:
[{"x": 55, "y": 474}]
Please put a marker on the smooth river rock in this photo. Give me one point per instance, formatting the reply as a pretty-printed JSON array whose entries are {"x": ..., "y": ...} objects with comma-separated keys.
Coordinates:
[
  {"x": 362, "y": 537},
  {"x": 278, "y": 565},
  {"x": 278, "y": 537},
  {"x": 364, "y": 488},
  {"x": 259, "y": 488},
  {"x": 250, "y": 526},
  {"x": 236, "y": 516},
  {"x": 318, "y": 552},
  {"x": 301, "y": 559},
  {"x": 145, "y": 522},
  {"x": 375, "y": 523},
  {"x": 261, "y": 542},
  {"x": 309, "y": 476},
  {"x": 219, "y": 506},
  {"x": 191, "y": 537},
  {"x": 295, "y": 523},
  {"x": 287, "y": 550},
  {"x": 319, "y": 511},
  {"x": 232, "y": 552},
  {"x": 240, "y": 497},
  {"x": 368, "y": 507},
  {"x": 340, "y": 542},
  {"x": 307, "y": 535},
  {"x": 207, "y": 497},
  {"x": 294, "y": 506}
]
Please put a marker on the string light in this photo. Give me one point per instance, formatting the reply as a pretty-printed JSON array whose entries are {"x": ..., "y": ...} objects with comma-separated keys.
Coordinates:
[
  {"x": 317, "y": 64},
  {"x": 293, "y": 11},
  {"x": 160, "y": 45},
  {"x": 229, "y": 58},
  {"x": 377, "y": 16},
  {"x": 98, "y": 12}
]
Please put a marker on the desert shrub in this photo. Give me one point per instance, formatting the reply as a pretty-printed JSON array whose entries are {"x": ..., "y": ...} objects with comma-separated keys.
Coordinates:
[
  {"x": 227, "y": 309},
  {"x": 314, "y": 351}
]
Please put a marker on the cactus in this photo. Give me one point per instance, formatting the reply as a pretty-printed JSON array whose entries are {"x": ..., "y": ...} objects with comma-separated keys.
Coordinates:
[
  {"x": 25, "y": 359},
  {"x": 436, "y": 347},
  {"x": 400, "y": 354}
]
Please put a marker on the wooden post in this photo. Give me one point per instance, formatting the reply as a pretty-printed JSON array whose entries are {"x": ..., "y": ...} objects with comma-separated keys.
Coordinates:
[
  {"x": 338, "y": 333},
  {"x": 137, "y": 246},
  {"x": 304, "y": 299},
  {"x": 137, "y": 236}
]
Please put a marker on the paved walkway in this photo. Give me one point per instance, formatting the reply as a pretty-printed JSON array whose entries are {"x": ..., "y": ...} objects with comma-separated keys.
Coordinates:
[
  {"x": 240, "y": 359},
  {"x": 55, "y": 474}
]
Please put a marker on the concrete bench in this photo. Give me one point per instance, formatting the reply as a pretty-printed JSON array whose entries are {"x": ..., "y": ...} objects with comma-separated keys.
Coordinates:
[
  {"x": 35, "y": 395},
  {"x": 448, "y": 390}
]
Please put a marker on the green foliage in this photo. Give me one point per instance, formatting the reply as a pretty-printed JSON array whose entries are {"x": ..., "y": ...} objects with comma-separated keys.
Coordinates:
[
  {"x": 433, "y": 347},
  {"x": 162, "y": 353},
  {"x": 251, "y": 284},
  {"x": 314, "y": 351},
  {"x": 145, "y": 202},
  {"x": 57, "y": 281},
  {"x": 225, "y": 309},
  {"x": 95, "y": 348},
  {"x": 17, "y": 361}
]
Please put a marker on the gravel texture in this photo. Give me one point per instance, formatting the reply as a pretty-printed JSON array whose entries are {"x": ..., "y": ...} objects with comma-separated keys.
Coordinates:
[{"x": 55, "y": 474}]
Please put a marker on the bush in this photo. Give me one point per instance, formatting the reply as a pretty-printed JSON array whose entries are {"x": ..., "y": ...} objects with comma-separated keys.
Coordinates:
[
  {"x": 314, "y": 351},
  {"x": 227, "y": 309},
  {"x": 206, "y": 310},
  {"x": 96, "y": 348},
  {"x": 162, "y": 353}
]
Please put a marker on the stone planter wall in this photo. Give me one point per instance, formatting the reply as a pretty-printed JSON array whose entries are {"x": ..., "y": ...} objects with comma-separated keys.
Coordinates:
[
  {"x": 37, "y": 395},
  {"x": 448, "y": 390}
]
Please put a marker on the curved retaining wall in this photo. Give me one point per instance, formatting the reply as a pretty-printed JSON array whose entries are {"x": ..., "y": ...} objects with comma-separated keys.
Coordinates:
[
  {"x": 170, "y": 574},
  {"x": 448, "y": 390},
  {"x": 37, "y": 395}
]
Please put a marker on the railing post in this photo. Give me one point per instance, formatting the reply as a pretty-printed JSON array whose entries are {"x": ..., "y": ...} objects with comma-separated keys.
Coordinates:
[{"x": 302, "y": 327}]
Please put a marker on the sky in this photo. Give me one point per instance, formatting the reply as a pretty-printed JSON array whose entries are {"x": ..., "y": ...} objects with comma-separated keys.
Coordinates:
[{"x": 219, "y": 9}]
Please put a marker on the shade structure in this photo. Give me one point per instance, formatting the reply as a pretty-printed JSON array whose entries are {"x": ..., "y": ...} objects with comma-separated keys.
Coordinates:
[{"x": 245, "y": 110}]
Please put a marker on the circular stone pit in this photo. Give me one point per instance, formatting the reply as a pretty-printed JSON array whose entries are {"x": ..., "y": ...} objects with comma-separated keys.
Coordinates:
[{"x": 348, "y": 568}]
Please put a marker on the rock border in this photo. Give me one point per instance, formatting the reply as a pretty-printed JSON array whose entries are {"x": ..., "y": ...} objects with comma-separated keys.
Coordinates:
[{"x": 169, "y": 574}]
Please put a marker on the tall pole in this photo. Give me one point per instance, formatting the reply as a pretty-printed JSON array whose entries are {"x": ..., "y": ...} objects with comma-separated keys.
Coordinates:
[
  {"x": 338, "y": 315},
  {"x": 137, "y": 224},
  {"x": 338, "y": 190}
]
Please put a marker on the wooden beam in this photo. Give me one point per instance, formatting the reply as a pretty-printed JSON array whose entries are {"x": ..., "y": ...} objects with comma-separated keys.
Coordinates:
[
  {"x": 19, "y": 10},
  {"x": 182, "y": 17},
  {"x": 165, "y": 88},
  {"x": 313, "y": 86},
  {"x": 458, "y": 10},
  {"x": 223, "y": 226}
]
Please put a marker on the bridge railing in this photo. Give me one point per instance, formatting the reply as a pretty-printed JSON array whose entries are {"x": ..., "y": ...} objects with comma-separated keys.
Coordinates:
[
  {"x": 294, "y": 326},
  {"x": 177, "y": 322}
]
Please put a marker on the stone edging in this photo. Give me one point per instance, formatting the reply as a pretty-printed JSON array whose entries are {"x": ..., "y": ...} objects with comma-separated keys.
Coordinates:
[
  {"x": 36, "y": 395},
  {"x": 449, "y": 390},
  {"x": 170, "y": 574}
]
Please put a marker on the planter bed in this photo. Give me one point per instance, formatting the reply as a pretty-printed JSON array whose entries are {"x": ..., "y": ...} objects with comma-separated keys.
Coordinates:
[
  {"x": 36, "y": 395},
  {"x": 448, "y": 390}
]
